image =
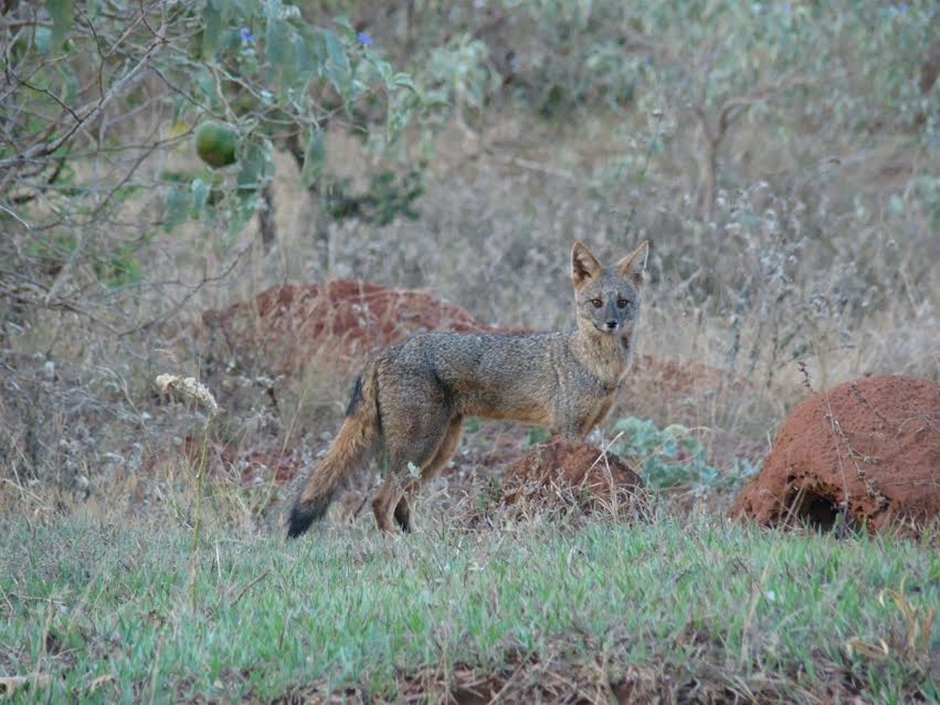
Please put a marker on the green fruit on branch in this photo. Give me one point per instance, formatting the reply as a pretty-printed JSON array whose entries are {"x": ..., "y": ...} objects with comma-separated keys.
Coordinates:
[{"x": 216, "y": 144}]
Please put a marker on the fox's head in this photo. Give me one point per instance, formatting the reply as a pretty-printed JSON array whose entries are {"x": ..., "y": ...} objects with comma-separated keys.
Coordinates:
[{"x": 607, "y": 299}]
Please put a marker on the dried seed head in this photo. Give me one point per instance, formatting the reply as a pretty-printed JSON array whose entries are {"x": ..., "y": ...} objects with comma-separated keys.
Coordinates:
[{"x": 189, "y": 387}]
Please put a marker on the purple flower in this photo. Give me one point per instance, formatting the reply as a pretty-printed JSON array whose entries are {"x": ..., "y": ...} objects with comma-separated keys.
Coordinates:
[
  {"x": 364, "y": 38},
  {"x": 246, "y": 35}
]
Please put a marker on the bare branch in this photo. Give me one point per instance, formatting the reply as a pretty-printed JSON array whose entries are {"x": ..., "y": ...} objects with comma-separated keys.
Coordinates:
[{"x": 86, "y": 113}]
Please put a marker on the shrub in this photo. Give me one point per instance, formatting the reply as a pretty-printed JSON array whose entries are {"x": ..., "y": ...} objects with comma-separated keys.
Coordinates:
[{"x": 673, "y": 457}]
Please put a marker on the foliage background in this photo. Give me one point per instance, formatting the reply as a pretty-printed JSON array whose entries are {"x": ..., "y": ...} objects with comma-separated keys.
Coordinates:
[{"x": 782, "y": 158}]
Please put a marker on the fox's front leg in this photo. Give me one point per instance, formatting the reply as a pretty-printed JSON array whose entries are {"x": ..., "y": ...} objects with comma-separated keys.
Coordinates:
[{"x": 567, "y": 423}]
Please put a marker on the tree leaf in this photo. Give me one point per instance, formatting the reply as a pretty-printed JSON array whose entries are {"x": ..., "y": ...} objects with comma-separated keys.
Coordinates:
[
  {"x": 314, "y": 157},
  {"x": 402, "y": 80},
  {"x": 62, "y": 13},
  {"x": 337, "y": 63},
  {"x": 178, "y": 206},
  {"x": 254, "y": 162},
  {"x": 280, "y": 54},
  {"x": 212, "y": 29},
  {"x": 201, "y": 188}
]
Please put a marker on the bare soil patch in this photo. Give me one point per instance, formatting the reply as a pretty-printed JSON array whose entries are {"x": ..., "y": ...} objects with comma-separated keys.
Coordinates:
[{"x": 283, "y": 328}]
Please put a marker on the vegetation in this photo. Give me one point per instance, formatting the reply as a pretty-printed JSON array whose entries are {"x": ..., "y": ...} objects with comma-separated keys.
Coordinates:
[
  {"x": 160, "y": 162},
  {"x": 568, "y": 614},
  {"x": 675, "y": 456}
]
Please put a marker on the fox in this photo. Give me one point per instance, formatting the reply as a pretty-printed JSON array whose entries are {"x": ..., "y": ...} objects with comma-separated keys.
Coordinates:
[{"x": 408, "y": 404}]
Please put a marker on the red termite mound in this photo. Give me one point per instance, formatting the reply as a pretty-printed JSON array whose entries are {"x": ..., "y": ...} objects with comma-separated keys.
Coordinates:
[
  {"x": 285, "y": 326},
  {"x": 562, "y": 472},
  {"x": 866, "y": 451}
]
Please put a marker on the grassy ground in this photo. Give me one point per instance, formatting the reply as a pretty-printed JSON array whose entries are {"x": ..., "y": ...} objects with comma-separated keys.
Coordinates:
[{"x": 680, "y": 609}]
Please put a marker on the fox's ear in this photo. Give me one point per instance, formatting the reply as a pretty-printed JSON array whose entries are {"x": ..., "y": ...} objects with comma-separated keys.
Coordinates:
[
  {"x": 634, "y": 265},
  {"x": 584, "y": 265}
]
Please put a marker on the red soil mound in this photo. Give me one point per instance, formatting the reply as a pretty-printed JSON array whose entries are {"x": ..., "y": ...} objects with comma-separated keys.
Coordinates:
[
  {"x": 867, "y": 451},
  {"x": 562, "y": 473},
  {"x": 286, "y": 325}
]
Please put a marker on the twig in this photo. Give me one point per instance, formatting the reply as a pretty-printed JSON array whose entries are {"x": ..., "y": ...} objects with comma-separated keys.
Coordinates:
[
  {"x": 250, "y": 584},
  {"x": 83, "y": 115},
  {"x": 13, "y": 214}
]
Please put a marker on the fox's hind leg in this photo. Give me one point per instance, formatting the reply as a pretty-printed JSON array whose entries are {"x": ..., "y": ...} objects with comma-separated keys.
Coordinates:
[
  {"x": 389, "y": 493},
  {"x": 413, "y": 437},
  {"x": 429, "y": 471},
  {"x": 420, "y": 437}
]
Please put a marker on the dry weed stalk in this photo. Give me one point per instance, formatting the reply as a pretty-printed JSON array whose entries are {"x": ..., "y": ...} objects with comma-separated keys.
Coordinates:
[{"x": 189, "y": 388}]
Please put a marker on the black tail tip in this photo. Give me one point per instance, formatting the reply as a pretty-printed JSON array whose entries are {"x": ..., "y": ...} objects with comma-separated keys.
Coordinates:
[
  {"x": 304, "y": 513},
  {"x": 299, "y": 521}
]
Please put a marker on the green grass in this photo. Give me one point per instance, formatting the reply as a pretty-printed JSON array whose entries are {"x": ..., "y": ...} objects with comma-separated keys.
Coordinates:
[{"x": 107, "y": 613}]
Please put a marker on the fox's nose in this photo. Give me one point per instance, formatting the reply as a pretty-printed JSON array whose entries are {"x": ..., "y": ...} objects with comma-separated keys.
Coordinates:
[{"x": 611, "y": 325}]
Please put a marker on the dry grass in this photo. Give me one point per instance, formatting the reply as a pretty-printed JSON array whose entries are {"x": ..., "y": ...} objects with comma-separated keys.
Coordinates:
[{"x": 495, "y": 229}]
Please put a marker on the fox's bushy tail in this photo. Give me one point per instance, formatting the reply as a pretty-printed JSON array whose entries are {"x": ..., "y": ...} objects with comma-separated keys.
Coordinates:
[{"x": 355, "y": 441}]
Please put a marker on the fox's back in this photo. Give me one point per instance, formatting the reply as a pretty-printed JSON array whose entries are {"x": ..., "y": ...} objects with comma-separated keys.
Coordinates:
[{"x": 482, "y": 374}]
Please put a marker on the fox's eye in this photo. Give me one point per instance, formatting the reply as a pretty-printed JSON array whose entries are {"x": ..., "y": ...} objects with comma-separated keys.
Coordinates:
[
  {"x": 596, "y": 303},
  {"x": 622, "y": 303}
]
